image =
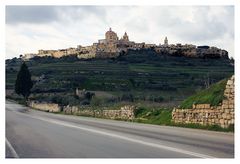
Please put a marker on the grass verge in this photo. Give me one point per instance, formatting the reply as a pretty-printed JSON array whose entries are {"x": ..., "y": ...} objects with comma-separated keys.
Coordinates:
[{"x": 213, "y": 95}]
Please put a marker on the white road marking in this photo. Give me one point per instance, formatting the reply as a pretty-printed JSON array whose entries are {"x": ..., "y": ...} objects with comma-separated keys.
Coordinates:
[
  {"x": 199, "y": 155},
  {"x": 14, "y": 153}
]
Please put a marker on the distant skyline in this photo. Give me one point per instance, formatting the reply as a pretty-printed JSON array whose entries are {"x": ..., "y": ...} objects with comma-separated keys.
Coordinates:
[{"x": 30, "y": 28}]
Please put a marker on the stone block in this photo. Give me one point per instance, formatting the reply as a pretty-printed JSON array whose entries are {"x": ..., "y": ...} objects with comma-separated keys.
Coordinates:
[
  {"x": 227, "y": 110},
  {"x": 226, "y": 95},
  {"x": 193, "y": 106},
  {"x": 206, "y": 106},
  {"x": 219, "y": 116},
  {"x": 224, "y": 106},
  {"x": 221, "y": 121},
  {"x": 224, "y": 115},
  {"x": 229, "y": 117},
  {"x": 225, "y": 102},
  {"x": 198, "y": 106},
  {"x": 219, "y": 107},
  {"x": 229, "y": 82},
  {"x": 227, "y": 90},
  {"x": 231, "y": 102}
]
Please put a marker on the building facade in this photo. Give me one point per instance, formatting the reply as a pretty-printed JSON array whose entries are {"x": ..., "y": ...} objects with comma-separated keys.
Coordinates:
[{"x": 111, "y": 46}]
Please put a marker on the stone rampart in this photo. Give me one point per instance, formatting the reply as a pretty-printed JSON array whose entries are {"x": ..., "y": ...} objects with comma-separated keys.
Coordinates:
[{"x": 205, "y": 114}]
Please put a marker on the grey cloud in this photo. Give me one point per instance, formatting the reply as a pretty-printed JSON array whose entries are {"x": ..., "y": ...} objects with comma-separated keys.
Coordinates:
[
  {"x": 200, "y": 31},
  {"x": 30, "y": 14},
  {"x": 203, "y": 28},
  {"x": 79, "y": 13},
  {"x": 205, "y": 25},
  {"x": 47, "y": 14}
]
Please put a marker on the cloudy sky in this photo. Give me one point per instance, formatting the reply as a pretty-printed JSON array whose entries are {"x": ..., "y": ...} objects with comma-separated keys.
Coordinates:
[{"x": 30, "y": 28}]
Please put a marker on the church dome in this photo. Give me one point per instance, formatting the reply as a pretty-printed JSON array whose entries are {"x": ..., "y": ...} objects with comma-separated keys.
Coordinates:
[
  {"x": 111, "y": 35},
  {"x": 109, "y": 32}
]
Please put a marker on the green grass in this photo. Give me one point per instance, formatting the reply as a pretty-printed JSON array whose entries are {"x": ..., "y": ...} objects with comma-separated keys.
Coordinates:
[
  {"x": 158, "y": 116},
  {"x": 213, "y": 95}
]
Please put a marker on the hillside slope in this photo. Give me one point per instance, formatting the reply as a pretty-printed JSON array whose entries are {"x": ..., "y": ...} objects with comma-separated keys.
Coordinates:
[
  {"x": 136, "y": 76},
  {"x": 213, "y": 95}
]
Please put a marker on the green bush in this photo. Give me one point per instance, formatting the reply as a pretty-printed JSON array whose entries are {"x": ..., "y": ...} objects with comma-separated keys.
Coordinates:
[
  {"x": 138, "y": 111},
  {"x": 89, "y": 95}
]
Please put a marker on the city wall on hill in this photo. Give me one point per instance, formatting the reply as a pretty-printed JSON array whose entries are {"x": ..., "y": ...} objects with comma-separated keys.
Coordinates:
[{"x": 205, "y": 114}]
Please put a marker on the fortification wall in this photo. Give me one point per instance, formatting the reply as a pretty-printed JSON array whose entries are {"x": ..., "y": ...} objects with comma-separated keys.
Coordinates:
[{"x": 205, "y": 114}]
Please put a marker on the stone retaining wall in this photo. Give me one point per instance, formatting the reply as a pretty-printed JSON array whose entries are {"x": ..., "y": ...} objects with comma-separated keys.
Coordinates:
[
  {"x": 205, "y": 114},
  {"x": 124, "y": 113},
  {"x": 49, "y": 107}
]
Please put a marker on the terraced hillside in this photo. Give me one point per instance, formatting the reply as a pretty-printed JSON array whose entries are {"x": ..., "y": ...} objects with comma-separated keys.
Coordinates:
[{"x": 139, "y": 76}]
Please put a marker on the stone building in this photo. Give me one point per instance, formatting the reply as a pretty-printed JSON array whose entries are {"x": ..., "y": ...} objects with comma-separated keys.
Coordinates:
[
  {"x": 28, "y": 56},
  {"x": 166, "y": 41},
  {"x": 111, "y": 46},
  {"x": 111, "y": 36}
]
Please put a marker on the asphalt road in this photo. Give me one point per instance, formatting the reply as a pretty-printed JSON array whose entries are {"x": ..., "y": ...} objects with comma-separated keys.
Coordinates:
[{"x": 36, "y": 134}]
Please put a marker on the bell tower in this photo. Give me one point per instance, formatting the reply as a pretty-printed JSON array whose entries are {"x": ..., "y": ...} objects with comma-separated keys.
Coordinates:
[
  {"x": 125, "y": 37},
  {"x": 166, "y": 41}
]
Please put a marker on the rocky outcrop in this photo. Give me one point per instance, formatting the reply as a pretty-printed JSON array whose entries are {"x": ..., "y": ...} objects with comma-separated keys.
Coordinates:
[{"x": 205, "y": 114}]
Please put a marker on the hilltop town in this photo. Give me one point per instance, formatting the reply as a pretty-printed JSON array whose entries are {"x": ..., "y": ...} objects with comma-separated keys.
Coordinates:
[{"x": 112, "y": 46}]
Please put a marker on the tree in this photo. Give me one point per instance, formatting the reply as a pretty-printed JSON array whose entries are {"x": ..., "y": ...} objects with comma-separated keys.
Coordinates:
[{"x": 23, "y": 82}]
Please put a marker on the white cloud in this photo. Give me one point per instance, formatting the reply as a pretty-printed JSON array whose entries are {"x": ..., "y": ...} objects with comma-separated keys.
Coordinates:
[{"x": 68, "y": 26}]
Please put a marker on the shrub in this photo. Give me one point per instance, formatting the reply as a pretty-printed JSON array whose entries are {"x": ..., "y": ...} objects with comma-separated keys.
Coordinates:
[
  {"x": 139, "y": 110},
  {"x": 89, "y": 95}
]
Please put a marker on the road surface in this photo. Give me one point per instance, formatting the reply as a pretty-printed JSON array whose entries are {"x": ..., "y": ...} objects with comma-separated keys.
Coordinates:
[{"x": 35, "y": 134}]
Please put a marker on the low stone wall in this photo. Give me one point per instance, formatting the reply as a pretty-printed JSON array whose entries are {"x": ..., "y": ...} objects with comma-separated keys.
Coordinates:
[
  {"x": 205, "y": 114},
  {"x": 49, "y": 107},
  {"x": 124, "y": 113}
]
